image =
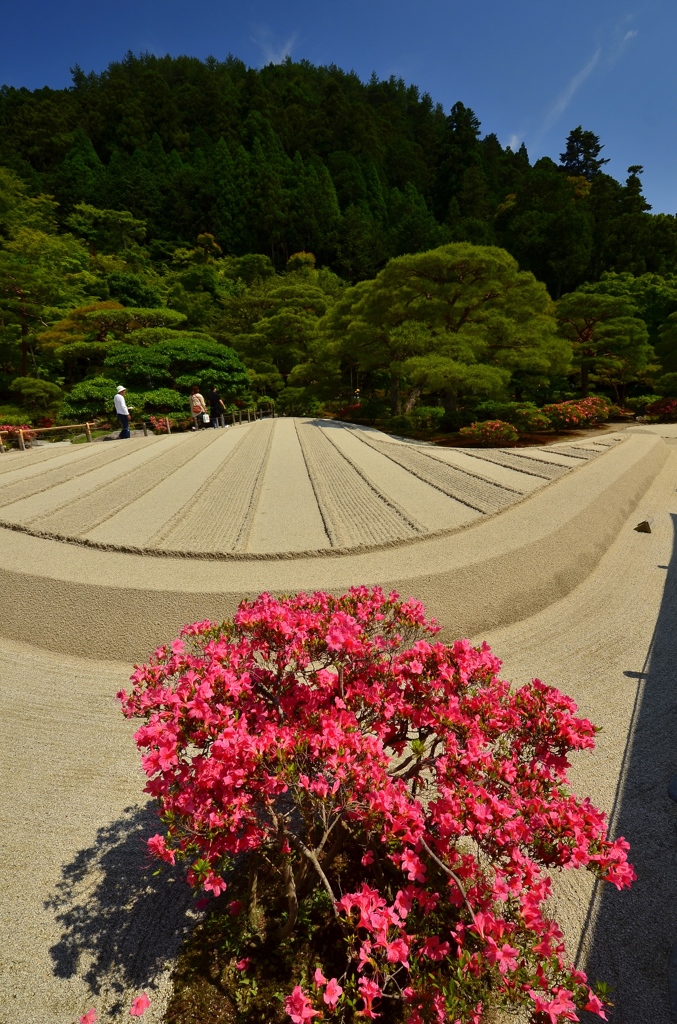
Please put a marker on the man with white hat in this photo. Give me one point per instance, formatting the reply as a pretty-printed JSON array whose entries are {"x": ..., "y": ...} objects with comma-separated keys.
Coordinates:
[{"x": 122, "y": 411}]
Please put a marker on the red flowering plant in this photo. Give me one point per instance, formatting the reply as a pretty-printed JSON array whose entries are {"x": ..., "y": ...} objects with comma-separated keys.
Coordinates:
[
  {"x": 9, "y": 433},
  {"x": 161, "y": 424},
  {"x": 665, "y": 410},
  {"x": 334, "y": 746},
  {"x": 580, "y": 413},
  {"x": 490, "y": 432}
]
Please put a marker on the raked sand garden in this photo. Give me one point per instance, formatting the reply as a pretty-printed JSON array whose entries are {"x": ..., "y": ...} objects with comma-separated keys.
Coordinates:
[{"x": 106, "y": 550}]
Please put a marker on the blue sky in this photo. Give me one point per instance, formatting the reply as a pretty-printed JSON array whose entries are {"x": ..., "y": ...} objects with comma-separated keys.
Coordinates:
[{"x": 531, "y": 69}]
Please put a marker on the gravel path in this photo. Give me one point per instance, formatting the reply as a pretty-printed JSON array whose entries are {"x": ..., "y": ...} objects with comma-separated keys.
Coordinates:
[
  {"x": 612, "y": 644},
  {"x": 83, "y": 922}
]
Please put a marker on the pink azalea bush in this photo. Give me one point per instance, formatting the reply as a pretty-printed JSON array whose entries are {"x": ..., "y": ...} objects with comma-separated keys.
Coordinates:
[
  {"x": 9, "y": 433},
  {"x": 159, "y": 423},
  {"x": 580, "y": 413},
  {"x": 665, "y": 410},
  {"x": 335, "y": 743},
  {"x": 490, "y": 432}
]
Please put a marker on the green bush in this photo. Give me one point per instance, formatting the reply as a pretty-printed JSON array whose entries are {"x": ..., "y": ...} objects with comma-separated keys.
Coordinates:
[
  {"x": 164, "y": 400},
  {"x": 427, "y": 417},
  {"x": 528, "y": 419},
  {"x": 93, "y": 398},
  {"x": 297, "y": 402},
  {"x": 37, "y": 397}
]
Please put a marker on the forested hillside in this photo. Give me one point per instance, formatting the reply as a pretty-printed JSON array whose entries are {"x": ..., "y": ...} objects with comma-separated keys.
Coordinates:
[{"x": 148, "y": 215}]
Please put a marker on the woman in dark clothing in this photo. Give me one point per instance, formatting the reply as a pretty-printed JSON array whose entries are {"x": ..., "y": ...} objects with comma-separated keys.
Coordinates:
[{"x": 216, "y": 406}]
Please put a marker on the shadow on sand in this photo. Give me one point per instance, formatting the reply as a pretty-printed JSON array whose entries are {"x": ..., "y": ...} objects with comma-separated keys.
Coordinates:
[
  {"x": 630, "y": 936},
  {"x": 121, "y": 923}
]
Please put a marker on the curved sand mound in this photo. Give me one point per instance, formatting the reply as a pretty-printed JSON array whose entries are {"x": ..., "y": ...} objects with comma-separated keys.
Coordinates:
[
  {"x": 82, "y": 923},
  {"x": 107, "y": 550},
  {"x": 270, "y": 488}
]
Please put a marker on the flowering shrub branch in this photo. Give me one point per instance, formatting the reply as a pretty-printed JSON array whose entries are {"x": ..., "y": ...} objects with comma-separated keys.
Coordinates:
[
  {"x": 490, "y": 432},
  {"x": 335, "y": 744}
]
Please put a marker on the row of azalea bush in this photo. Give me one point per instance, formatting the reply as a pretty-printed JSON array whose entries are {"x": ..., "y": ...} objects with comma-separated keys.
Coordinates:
[
  {"x": 9, "y": 434},
  {"x": 584, "y": 412},
  {"x": 326, "y": 759}
]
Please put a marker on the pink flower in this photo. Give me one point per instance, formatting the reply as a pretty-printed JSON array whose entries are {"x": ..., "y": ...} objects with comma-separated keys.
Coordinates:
[
  {"x": 435, "y": 949},
  {"x": 235, "y": 908},
  {"x": 369, "y": 991},
  {"x": 139, "y": 1006},
  {"x": 214, "y": 883},
  {"x": 319, "y": 978},
  {"x": 368, "y": 858},
  {"x": 595, "y": 1005},
  {"x": 299, "y": 1007},
  {"x": 332, "y": 993},
  {"x": 156, "y": 845},
  {"x": 90, "y": 1017},
  {"x": 243, "y": 965},
  {"x": 503, "y": 956}
]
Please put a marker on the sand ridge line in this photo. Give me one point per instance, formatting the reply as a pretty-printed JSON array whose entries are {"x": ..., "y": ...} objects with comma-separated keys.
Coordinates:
[
  {"x": 379, "y": 491},
  {"x": 468, "y": 488},
  {"x": 64, "y": 474},
  {"x": 82, "y": 513},
  {"x": 216, "y": 517},
  {"x": 40, "y": 461},
  {"x": 523, "y": 464},
  {"x": 352, "y": 509}
]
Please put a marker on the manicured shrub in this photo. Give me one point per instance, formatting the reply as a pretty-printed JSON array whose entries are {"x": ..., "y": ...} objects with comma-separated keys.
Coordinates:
[
  {"x": 11, "y": 438},
  {"x": 663, "y": 411},
  {"x": 529, "y": 419},
  {"x": 490, "y": 432},
  {"x": 427, "y": 417},
  {"x": 164, "y": 400},
  {"x": 580, "y": 413},
  {"x": 324, "y": 753},
  {"x": 38, "y": 397},
  {"x": 161, "y": 424}
]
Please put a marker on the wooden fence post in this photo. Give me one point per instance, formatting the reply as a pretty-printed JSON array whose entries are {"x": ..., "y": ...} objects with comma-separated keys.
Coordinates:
[
  {"x": 144, "y": 428},
  {"x": 169, "y": 429},
  {"x": 88, "y": 432},
  {"x": 22, "y": 446}
]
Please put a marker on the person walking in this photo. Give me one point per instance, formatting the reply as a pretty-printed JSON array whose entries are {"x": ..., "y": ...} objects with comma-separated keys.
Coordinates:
[
  {"x": 122, "y": 411},
  {"x": 198, "y": 408},
  {"x": 216, "y": 406}
]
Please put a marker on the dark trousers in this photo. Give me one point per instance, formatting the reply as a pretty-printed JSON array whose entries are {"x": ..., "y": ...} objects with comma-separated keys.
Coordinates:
[{"x": 124, "y": 423}]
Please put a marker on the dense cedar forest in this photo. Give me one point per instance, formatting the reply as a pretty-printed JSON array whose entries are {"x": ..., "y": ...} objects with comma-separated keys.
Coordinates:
[{"x": 292, "y": 233}]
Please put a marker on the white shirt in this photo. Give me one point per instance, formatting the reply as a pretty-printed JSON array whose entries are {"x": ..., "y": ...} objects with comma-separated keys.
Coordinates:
[{"x": 121, "y": 405}]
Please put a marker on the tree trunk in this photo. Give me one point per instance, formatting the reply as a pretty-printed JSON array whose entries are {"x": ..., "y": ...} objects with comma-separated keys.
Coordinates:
[
  {"x": 449, "y": 402},
  {"x": 585, "y": 381},
  {"x": 395, "y": 404},
  {"x": 411, "y": 402}
]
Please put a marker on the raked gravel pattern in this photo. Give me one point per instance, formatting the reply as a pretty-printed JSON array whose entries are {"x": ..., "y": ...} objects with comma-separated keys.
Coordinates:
[
  {"x": 270, "y": 488},
  {"x": 84, "y": 922}
]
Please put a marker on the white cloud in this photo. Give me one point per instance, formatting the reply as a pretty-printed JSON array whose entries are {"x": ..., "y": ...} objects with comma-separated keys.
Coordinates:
[
  {"x": 629, "y": 35},
  {"x": 273, "y": 51},
  {"x": 514, "y": 142},
  {"x": 567, "y": 94}
]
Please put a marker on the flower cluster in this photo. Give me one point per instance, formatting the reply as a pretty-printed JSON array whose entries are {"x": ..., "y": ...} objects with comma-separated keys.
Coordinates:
[
  {"x": 314, "y": 731},
  {"x": 581, "y": 413},
  {"x": 159, "y": 423},
  {"x": 10, "y": 433},
  {"x": 665, "y": 410},
  {"x": 490, "y": 432}
]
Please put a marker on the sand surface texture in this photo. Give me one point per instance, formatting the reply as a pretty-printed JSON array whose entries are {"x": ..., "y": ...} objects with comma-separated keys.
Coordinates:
[
  {"x": 83, "y": 921},
  {"x": 217, "y": 492}
]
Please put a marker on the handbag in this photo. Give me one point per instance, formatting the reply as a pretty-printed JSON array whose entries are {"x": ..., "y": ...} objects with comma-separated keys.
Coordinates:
[{"x": 205, "y": 417}]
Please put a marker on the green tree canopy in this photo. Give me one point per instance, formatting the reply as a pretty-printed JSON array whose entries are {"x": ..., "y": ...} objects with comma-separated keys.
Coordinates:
[
  {"x": 468, "y": 304},
  {"x": 603, "y": 330}
]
